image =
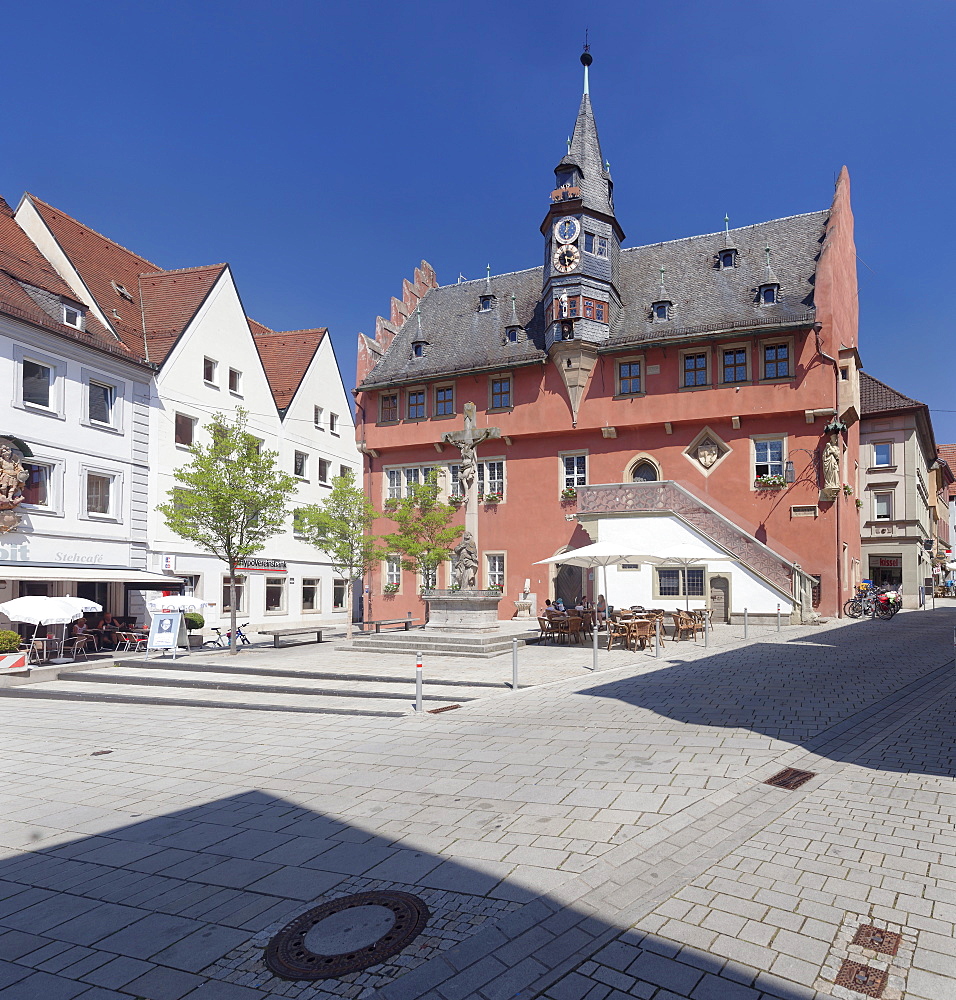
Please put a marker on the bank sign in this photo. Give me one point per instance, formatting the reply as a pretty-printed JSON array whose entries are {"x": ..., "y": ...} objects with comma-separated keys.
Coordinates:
[{"x": 262, "y": 565}]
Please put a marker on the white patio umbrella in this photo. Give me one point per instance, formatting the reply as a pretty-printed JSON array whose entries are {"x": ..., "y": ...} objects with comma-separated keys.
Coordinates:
[
  {"x": 82, "y": 604},
  {"x": 601, "y": 554},
  {"x": 42, "y": 610},
  {"x": 176, "y": 602}
]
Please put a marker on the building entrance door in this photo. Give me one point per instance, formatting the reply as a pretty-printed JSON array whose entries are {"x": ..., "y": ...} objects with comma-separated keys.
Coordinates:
[
  {"x": 720, "y": 598},
  {"x": 569, "y": 584}
]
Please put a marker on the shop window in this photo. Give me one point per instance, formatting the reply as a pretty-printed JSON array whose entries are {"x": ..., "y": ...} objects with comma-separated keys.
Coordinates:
[
  {"x": 339, "y": 590},
  {"x": 275, "y": 594},
  {"x": 687, "y": 582},
  {"x": 240, "y": 589},
  {"x": 311, "y": 594}
]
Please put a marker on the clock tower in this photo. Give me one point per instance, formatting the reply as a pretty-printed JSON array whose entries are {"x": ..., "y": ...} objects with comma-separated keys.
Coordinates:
[{"x": 582, "y": 253}]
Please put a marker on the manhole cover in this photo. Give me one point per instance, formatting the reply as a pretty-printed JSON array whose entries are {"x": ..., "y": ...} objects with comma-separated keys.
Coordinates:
[
  {"x": 877, "y": 939},
  {"x": 790, "y": 778},
  {"x": 862, "y": 978},
  {"x": 346, "y": 935}
]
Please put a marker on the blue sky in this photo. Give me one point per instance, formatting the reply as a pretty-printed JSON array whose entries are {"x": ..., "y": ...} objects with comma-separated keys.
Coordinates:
[{"x": 324, "y": 150}]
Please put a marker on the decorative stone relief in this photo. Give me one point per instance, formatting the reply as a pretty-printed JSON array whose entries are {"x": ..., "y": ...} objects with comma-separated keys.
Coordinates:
[{"x": 706, "y": 451}]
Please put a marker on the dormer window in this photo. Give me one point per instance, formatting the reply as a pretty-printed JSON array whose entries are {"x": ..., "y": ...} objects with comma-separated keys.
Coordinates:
[
  {"x": 121, "y": 291},
  {"x": 661, "y": 310},
  {"x": 727, "y": 259},
  {"x": 511, "y": 334},
  {"x": 564, "y": 178},
  {"x": 418, "y": 349},
  {"x": 486, "y": 303},
  {"x": 768, "y": 295},
  {"x": 73, "y": 316}
]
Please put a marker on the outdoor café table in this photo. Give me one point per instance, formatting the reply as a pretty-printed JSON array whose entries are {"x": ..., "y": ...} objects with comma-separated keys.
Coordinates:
[{"x": 43, "y": 649}]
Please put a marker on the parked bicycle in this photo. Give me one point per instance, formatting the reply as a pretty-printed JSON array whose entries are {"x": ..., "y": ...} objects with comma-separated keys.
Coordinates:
[
  {"x": 872, "y": 602},
  {"x": 223, "y": 639}
]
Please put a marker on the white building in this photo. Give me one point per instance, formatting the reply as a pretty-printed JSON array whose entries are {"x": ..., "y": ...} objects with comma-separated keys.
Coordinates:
[
  {"x": 206, "y": 356},
  {"x": 78, "y": 413}
]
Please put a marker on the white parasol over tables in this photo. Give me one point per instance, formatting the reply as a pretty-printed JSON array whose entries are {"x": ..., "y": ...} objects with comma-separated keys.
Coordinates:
[
  {"x": 601, "y": 554},
  {"x": 42, "y": 610}
]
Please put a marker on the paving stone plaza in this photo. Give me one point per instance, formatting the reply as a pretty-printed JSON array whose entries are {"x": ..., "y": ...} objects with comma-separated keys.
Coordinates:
[{"x": 598, "y": 835}]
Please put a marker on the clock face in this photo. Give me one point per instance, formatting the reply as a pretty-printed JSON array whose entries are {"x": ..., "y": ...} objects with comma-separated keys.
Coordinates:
[
  {"x": 566, "y": 257},
  {"x": 567, "y": 230}
]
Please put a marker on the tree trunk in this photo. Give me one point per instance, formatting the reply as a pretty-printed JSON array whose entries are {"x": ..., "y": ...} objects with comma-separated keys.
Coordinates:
[
  {"x": 233, "y": 614},
  {"x": 348, "y": 610}
]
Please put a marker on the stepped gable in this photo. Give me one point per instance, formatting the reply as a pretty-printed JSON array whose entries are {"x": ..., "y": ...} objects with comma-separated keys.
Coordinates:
[
  {"x": 459, "y": 337},
  {"x": 286, "y": 356},
  {"x": 170, "y": 299},
  {"x": 24, "y": 270},
  {"x": 878, "y": 397}
]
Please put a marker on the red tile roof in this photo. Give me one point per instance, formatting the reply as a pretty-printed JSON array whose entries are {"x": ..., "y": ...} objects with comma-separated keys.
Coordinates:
[
  {"x": 286, "y": 356},
  {"x": 947, "y": 452},
  {"x": 159, "y": 304},
  {"x": 878, "y": 397},
  {"x": 21, "y": 261}
]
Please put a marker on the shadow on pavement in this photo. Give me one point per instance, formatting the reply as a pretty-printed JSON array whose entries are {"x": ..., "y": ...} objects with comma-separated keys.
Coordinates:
[
  {"x": 181, "y": 905},
  {"x": 789, "y": 691}
]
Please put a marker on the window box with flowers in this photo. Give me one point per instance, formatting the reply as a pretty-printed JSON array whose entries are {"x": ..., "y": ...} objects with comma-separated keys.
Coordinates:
[
  {"x": 491, "y": 498},
  {"x": 847, "y": 490},
  {"x": 390, "y": 588},
  {"x": 770, "y": 482},
  {"x": 456, "y": 501},
  {"x": 496, "y": 587},
  {"x": 569, "y": 493}
]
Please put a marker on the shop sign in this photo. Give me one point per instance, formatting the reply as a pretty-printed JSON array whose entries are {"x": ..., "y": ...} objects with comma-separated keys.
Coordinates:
[
  {"x": 887, "y": 562},
  {"x": 263, "y": 565},
  {"x": 169, "y": 564}
]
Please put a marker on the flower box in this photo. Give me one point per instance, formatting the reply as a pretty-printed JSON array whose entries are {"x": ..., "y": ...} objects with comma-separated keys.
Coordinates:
[
  {"x": 390, "y": 588},
  {"x": 770, "y": 483},
  {"x": 569, "y": 493},
  {"x": 491, "y": 498}
]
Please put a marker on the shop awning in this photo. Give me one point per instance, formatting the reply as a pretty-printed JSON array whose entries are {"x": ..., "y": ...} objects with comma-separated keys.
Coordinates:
[{"x": 82, "y": 574}]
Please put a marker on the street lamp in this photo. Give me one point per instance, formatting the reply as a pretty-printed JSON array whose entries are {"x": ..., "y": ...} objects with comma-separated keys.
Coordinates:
[{"x": 788, "y": 471}]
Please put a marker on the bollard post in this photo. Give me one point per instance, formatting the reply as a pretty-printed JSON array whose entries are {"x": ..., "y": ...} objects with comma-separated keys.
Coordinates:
[
  {"x": 706, "y": 630},
  {"x": 657, "y": 637},
  {"x": 594, "y": 644},
  {"x": 418, "y": 684},
  {"x": 745, "y": 623},
  {"x": 778, "y": 616},
  {"x": 514, "y": 664}
]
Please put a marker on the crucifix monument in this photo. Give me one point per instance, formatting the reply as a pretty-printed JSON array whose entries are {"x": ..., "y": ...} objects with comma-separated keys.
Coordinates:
[{"x": 467, "y": 441}]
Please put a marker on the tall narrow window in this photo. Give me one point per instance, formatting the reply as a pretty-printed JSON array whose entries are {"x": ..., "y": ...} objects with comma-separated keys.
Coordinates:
[
  {"x": 339, "y": 587},
  {"x": 275, "y": 594},
  {"x": 98, "y": 494},
  {"x": 101, "y": 403},
  {"x": 883, "y": 453},
  {"x": 456, "y": 487},
  {"x": 496, "y": 570},
  {"x": 311, "y": 594},
  {"x": 500, "y": 393},
  {"x": 240, "y": 589},
  {"x": 185, "y": 427},
  {"x": 883, "y": 506},
  {"x": 444, "y": 401},
  {"x": 735, "y": 365},
  {"x": 416, "y": 404},
  {"x": 323, "y": 470},
  {"x": 209, "y": 369},
  {"x": 394, "y": 484},
  {"x": 334, "y": 424},
  {"x": 393, "y": 571},
  {"x": 491, "y": 478},
  {"x": 695, "y": 369},
  {"x": 37, "y": 380},
  {"x": 317, "y": 418},
  {"x": 300, "y": 465},
  {"x": 575, "y": 470},
  {"x": 776, "y": 361},
  {"x": 235, "y": 381}
]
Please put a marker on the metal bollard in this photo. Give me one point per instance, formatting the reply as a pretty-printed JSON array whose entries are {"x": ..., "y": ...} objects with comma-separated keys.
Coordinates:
[
  {"x": 418, "y": 684},
  {"x": 514, "y": 664},
  {"x": 778, "y": 616},
  {"x": 745, "y": 623},
  {"x": 706, "y": 630},
  {"x": 594, "y": 645},
  {"x": 657, "y": 638}
]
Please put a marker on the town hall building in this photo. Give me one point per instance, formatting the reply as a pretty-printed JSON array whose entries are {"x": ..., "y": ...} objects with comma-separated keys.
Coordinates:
[{"x": 695, "y": 401}]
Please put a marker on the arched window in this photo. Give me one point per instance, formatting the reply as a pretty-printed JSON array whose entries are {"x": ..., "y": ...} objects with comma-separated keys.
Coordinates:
[{"x": 644, "y": 472}]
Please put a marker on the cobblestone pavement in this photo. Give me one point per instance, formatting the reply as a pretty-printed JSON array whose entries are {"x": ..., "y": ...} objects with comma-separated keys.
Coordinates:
[{"x": 604, "y": 835}]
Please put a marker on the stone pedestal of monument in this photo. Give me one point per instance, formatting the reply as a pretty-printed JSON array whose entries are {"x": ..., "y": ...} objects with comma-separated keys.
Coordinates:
[{"x": 465, "y": 612}]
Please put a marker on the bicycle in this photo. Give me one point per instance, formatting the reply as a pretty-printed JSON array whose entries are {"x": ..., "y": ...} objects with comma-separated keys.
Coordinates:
[
  {"x": 867, "y": 603},
  {"x": 224, "y": 640}
]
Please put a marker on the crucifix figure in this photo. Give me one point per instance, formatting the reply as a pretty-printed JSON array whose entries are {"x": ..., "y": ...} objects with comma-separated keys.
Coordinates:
[{"x": 467, "y": 441}]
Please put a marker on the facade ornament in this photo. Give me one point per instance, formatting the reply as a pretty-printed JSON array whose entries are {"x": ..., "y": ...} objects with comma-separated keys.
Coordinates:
[
  {"x": 831, "y": 464},
  {"x": 465, "y": 563},
  {"x": 12, "y": 477},
  {"x": 707, "y": 453}
]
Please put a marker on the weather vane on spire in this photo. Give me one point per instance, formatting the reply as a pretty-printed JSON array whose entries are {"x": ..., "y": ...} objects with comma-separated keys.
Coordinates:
[{"x": 586, "y": 60}]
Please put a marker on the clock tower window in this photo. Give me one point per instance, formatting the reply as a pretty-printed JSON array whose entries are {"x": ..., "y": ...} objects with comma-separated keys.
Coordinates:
[{"x": 596, "y": 245}]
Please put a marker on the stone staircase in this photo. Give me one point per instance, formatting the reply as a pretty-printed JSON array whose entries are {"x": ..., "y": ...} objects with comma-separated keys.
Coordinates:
[
  {"x": 480, "y": 647},
  {"x": 249, "y": 687}
]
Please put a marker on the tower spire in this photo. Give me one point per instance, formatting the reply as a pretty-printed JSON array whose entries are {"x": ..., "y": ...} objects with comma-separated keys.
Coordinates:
[{"x": 586, "y": 61}]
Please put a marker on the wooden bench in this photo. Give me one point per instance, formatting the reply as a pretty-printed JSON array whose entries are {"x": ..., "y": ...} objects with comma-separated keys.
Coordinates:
[
  {"x": 279, "y": 633},
  {"x": 407, "y": 622}
]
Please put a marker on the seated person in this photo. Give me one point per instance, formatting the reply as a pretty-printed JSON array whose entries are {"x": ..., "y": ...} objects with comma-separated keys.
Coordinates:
[
  {"x": 559, "y": 604},
  {"x": 601, "y": 610},
  {"x": 108, "y": 627},
  {"x": 79, "y": 627}
]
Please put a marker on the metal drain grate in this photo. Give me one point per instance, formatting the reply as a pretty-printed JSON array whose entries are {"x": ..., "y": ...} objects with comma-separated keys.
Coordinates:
[
  {"x": 444, "y": 708},
  {"x": 353, "y": 945},
  {"x": 790, "y": 778},
  {"x": 862, "y": 978},
  {"x": 877, "y": 939}
]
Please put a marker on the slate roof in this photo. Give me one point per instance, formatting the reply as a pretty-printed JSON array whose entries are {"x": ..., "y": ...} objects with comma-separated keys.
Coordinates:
[
  {"x": 878, "y": 397},
  {"x": 585, "y": 154},
  {"x": 286, "y": 356},
  {"x": 705, "y": 297},
  {"x": 23, "y": 267}
]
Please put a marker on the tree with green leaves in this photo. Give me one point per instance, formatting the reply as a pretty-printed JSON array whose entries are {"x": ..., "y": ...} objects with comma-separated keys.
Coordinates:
[
  {"x": 230, "y": 499},
  {"x": 341, "y": 527},
  {"x": 425, "y": 535}
]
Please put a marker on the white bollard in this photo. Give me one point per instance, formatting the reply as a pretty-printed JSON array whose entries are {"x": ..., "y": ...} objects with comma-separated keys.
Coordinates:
[
  {"x": 514, "y": 664},
  {"x": 418, "y": 684},
  {"x": 778, "y": 616},
  {"x": 706, "y": 630},
  {"x": 657, "y": 638},
  {"x": 745, "y": 623},
  {"x": 594, "y": 644}
]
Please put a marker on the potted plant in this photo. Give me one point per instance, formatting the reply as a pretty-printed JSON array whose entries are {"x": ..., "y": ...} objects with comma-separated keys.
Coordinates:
[
  {"x": 390, "y": 588},
  {"x": 569, "y": 493},
  {"x": 193, "y": 620},
  {"x": 9, "y": 641},
  {"x": 847, "y": 490},
  {"x": 492, "y": 498},
  {"x": 770, "y": 482},
  {"x": 859, "y": 504}
]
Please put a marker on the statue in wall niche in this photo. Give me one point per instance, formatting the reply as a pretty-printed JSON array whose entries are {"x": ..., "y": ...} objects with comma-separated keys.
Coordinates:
[
  {"x": 12, "y": 477},
  {"x": 707, "y": 453},
  {"x": 831, "y": 464},
  {"x": 465, "y": 563}
]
